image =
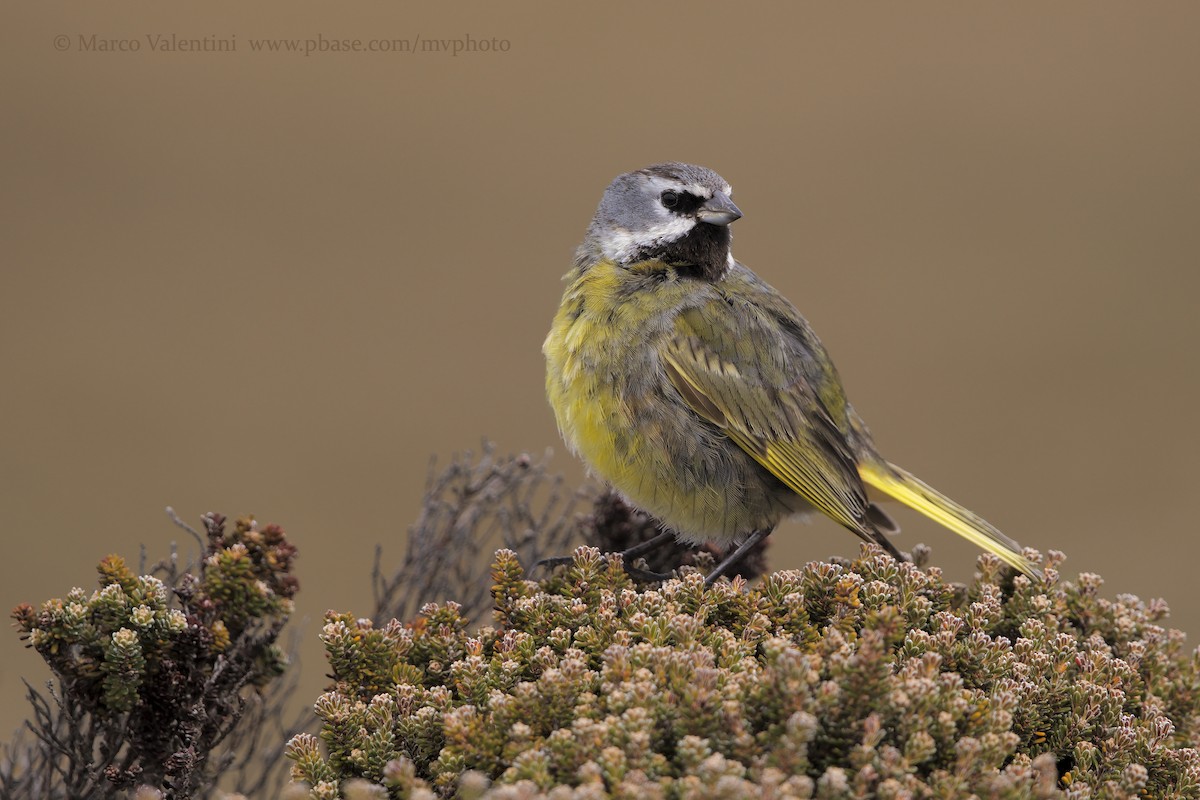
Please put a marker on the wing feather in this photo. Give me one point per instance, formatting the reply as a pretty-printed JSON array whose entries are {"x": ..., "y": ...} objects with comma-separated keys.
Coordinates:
[{"x": 785, "y": 427}]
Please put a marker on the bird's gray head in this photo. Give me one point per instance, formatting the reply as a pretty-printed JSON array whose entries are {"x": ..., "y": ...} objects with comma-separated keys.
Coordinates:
[{"x": 675, "y": 213}]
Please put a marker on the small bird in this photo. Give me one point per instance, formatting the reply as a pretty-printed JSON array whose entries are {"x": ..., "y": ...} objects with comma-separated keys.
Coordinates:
[{"x": 702, "y": 395}]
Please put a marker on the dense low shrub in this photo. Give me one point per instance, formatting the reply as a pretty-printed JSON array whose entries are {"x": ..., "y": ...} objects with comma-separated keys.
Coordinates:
[
  {"x": 839, "y": 680},
  {"x": 156, "y": 674}
]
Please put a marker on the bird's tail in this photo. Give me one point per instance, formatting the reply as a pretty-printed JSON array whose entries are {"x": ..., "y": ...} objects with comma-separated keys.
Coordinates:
[{"x": 914, "y": 493}]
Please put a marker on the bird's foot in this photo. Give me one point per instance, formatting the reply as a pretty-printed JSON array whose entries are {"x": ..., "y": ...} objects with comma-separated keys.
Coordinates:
[
  {"x": 637, "y": 573},
  {"x": 646, "y": 576},
  {"x": 737, "y": 555},
  {"x": 629, "y": 559},
  {"x": 555, "y": 561}
]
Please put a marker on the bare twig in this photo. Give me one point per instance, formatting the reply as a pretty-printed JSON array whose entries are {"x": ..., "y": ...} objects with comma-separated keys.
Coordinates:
[{"x": 470, "y": 509}]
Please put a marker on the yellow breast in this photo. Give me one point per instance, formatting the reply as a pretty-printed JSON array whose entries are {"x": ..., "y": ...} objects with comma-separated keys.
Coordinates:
[
  {"x": 616, "y": 410},
  {"x": 583, "y": 351}
]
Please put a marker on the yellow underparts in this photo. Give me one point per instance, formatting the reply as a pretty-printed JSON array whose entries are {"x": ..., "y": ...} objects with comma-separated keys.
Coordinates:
[{"x": 614, "y": 408}]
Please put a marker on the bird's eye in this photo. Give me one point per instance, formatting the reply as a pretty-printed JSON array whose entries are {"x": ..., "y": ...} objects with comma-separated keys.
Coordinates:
[{"x": 669, "y": 199}]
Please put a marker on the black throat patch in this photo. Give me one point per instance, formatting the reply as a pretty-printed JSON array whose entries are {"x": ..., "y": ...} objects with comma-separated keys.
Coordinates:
[{"x": 703, "y": 253}]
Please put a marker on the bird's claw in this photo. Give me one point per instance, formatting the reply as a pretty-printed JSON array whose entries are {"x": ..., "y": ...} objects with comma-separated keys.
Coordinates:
[
  {"x": 637, "y": 573},
  {"x": 554, "y": 561}
]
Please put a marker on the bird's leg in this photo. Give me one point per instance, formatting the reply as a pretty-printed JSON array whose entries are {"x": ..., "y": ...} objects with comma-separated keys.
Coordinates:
[
  {"x": 650, "y": 545},
  {"x": 737, "y": 555},
  {"x": 627, "y": 557}
]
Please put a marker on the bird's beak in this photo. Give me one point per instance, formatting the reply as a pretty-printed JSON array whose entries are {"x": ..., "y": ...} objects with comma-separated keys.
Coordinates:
[{"x": 718, "y": 210}]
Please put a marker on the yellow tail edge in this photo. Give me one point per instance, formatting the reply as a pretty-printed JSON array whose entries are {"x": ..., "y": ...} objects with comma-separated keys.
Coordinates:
[{"x": 919, "y": 496}]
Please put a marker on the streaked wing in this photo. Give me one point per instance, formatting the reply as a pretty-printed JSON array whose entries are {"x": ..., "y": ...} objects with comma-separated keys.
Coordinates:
[{"x": 760, "y": 398}]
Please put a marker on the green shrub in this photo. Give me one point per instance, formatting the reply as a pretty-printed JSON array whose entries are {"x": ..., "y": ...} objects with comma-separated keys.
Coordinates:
[
  {"x": 155, "y": 674},
  {"x": 869, "y": 678}
]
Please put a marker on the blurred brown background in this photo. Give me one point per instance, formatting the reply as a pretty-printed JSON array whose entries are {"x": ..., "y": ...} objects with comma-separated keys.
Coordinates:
[{"x": 276, "y": 283}]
